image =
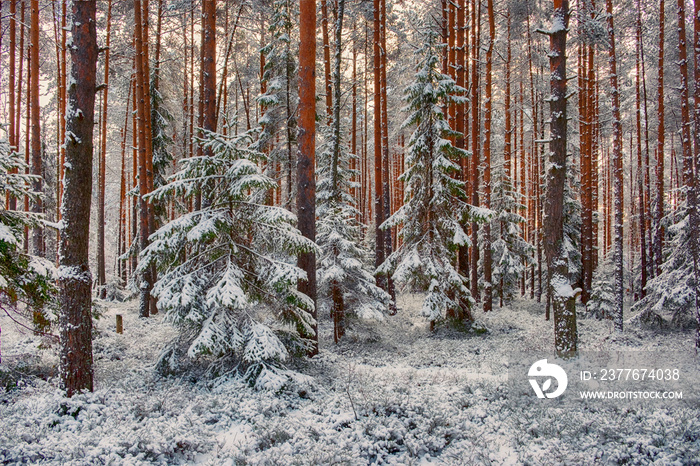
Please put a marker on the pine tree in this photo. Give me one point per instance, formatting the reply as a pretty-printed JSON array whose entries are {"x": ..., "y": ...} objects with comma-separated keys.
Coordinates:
[
  {"x": 235, "y": 289},
  {"x": 433, "y": 209}
]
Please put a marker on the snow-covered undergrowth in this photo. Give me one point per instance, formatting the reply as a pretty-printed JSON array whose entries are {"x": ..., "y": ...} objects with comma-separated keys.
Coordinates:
[{"x": 390, "y": 393}]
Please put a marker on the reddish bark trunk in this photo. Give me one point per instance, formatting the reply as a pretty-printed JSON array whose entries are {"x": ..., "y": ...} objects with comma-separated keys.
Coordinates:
[
  {"x": 306, "y": 182},
  {"x": 74, "y": 274}
]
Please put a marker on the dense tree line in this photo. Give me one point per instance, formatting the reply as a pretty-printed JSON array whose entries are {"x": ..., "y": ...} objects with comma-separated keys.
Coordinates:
[{"x": 474, "y": 150}]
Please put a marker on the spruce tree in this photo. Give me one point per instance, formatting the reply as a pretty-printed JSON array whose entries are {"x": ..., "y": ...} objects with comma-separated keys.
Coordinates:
[
  {"x": 432, "y": 216},
  {"x": 510, "y": 252},
  {"x": 25, "y": 280},
  {"x": 228, "y": 274}
]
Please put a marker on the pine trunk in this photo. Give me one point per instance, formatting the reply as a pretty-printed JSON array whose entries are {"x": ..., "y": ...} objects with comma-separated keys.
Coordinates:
[
  {"x": 75, "y": 280},
  {"x": 488, "y": 106},
  {"x": 145, "y": 282},
  {"x": 660, "y": 150},
  {"x": 386, "y": 182},
  {"x": 101, "y": 272},
  {"x": 641, "y": 194},
  {"x": 338, "y": 309},
  {"x": 475, "y": 159},
  {"x": 35, "y": 111},
  {"x": 561, "y": 293},
  {"x": 617, "y": 174},
  {"x": 378, "y": 183},
  {"x": 306, "y": 182},
  {"x": 695, "y": 214},
  {"x": 11, "y": 201},
  {"x": 328, "y": 88}
]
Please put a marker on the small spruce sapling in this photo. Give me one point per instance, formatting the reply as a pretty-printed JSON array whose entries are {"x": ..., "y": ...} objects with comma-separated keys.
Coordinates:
[
  {"x": 342, "y": 266},
  {"x": 228, "y": 274}
]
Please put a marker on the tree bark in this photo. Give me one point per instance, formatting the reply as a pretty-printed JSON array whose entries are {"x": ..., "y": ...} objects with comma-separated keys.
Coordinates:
[
  {"x": 306, "y": 181},
  {"x": 475, "y": 134},
  {"x": 660, "y": 157},
  {"x": 695, "y": 214},
  {"x": 618, "y": 184},
  {"x": 338, "y": 310},
  {"x": 378, "y": 184},
  {"x": 75, "y": 280},
  {"x": 641, "y": 195},
  {"x": 145, "y": 283},
  {"x": 11, "y": 201},
  {"x": 488, "y": 106},
  {"x": 101, "y": 272},
  {"x": 35, "y": 110},
  {"x": 562, "y": 296},
  {"x": 328, "y": 88},
  {"x": 386, "y": 182}
]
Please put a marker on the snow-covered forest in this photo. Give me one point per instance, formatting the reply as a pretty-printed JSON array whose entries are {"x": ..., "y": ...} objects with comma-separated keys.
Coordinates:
[{"x": 349, "y": 232}]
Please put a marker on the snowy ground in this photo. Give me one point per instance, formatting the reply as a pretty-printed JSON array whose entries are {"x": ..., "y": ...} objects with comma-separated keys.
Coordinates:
[{"x": 391, "y": 393}]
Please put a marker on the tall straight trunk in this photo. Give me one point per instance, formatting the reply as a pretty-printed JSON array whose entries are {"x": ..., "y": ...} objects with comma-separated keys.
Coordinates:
[
  {"x": 695, "y": 223},
  {"x": 451, "y": 58},
  {"x": 123, "y": 200},
  {"x": 647, "y": 165},
  {"x": 11, "y": 201},
  {"x": 190, "y": 106},
  {"x": 593, "y": 142},
  {"x": 586, "y": 176},
  {"x": 475, "y": 134},
  {"x": 378, "y": 184},
  {"x": 618, "y": 185},
  {"x": 159, "y": 28},
  {"x": 101, "y": 273},
  {"x": 326, "y": 59},
  {"x": 661, "y": 139},
  {"x": 208, "y": 71},
  {"x": 561, "y": 293},
  {"x": 135, "y": 201},
  {"x": 22, "y": 57},
  {"x": 507, "y": 180},
  {"x": 75, "y": 280},
  {"x": 354, "y": 192},
  {"x": 336, "y": 290},
  {"x": 146, "y": 282},
  {"x": 523, "y": 178},
  {"x": 185, "y": 91},
  {"x": 306, "y": 181},
  {"x": 59, "y": 109},
  {"x": 641, "y": 195},
  {"x": 488, "y": 106},
  {"x": 28, "y": 130},
  {"x": 463, "y": 251},
  {"x": 386, "y": 182},
  {"x": 35, "y": 110}
]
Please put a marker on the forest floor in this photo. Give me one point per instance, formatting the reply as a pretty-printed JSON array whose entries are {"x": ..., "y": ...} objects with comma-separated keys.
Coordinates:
[{"x": 392, "y": 392}]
